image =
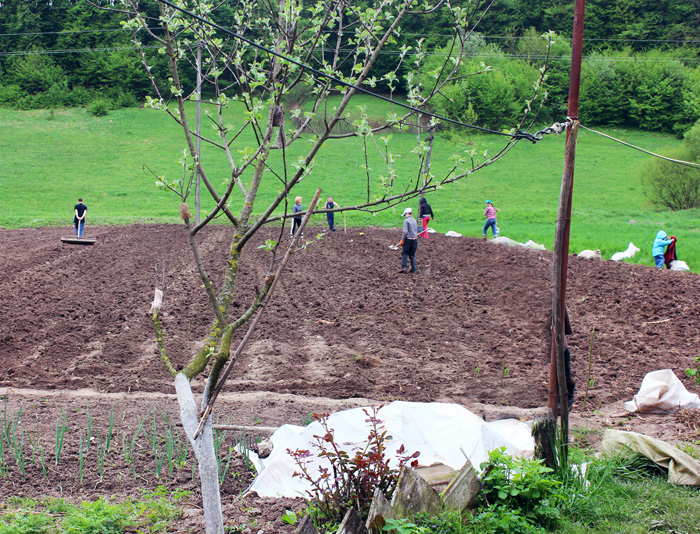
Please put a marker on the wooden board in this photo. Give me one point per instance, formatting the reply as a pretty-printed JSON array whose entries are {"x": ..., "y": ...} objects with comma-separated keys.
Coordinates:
[{"x": 79, "y": 240}]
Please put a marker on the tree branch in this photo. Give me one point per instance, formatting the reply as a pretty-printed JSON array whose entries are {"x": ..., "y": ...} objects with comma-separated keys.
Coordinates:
[{"x": 274, "y": 280}]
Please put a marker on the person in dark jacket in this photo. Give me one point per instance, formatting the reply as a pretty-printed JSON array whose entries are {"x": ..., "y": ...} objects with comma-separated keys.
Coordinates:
[
  {"x": 409, "y": 241},
  {"x": 297, "y": 208},
  {"x": 80, "y": 211},
  {"x": 425, "y": 213},
  {"x": 330, "y": 216}
]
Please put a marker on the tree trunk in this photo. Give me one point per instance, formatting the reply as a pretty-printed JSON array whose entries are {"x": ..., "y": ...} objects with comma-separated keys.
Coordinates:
[{"x": 204, "y": 451}]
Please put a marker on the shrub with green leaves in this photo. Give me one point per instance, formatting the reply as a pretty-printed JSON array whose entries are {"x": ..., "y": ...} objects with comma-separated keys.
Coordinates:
[
  {"x": 354, "y": 473},
  {"x": 671, "y": 185},
  {"x": 98, "y": 517},
  {"x": 99, "y": 107},
  {"x": 519, "y": 488}
]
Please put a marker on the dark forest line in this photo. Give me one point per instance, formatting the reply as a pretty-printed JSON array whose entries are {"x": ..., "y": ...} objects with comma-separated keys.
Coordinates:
[{"x": 640, "y": 66}]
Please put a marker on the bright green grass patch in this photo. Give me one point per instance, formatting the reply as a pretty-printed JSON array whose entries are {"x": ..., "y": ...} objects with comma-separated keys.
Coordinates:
[{"x": 48, "y": 164}]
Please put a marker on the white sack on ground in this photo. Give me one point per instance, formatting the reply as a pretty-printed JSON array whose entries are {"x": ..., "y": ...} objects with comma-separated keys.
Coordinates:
[
  {"x": 678, "y": 265},
  {"x": 452, "y": 233},
  {"x": 531, "y": 244},
  {"x": 506, "y": 241},
  {"x": 435, "y": 429},
  {"x": 662, "y": 392},
  {"x": 683, "y": 470}
]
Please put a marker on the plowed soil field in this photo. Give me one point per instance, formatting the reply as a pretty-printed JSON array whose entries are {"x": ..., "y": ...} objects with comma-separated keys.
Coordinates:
[{"x": 345, "y": 328}]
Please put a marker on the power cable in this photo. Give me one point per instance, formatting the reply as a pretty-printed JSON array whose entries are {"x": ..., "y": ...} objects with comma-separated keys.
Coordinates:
[
  {"x": 503, "y": 37},
  {"x": 383, "y": 53},
  {"x": 516, "y": 136},
  {"x": 679, "y": 161},
  {"x": 75, "y": 51}
]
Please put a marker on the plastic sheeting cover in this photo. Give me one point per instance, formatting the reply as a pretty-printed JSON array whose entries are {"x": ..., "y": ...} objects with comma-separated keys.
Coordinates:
[
  {"x": 683, "y": 470},
  {"x": 439, "y": 431},
  {"x": 662, "y": 392}
]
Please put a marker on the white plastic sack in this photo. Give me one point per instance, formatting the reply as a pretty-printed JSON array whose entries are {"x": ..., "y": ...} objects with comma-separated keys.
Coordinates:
[
  {"x": 662, "y": 392},
  {"x": 678, "y": 265},
  {"x": 506, "y": 241},
  {"x": 590, "y": 255},
  {"x": 452, "y": 233},
  {"x": 530, "y": 243},
  {"x": 441, "y": 432}
]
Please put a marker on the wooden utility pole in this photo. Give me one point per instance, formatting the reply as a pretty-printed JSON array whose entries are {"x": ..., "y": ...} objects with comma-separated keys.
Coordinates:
[{"x": 557, "y": 371}]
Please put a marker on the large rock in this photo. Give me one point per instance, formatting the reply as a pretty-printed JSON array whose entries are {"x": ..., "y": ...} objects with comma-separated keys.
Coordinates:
[
  {"x": 437, "y": 475},
  {"x": 307, "y": 526},
  {"x": 462, "y": 492},
  {"x": 413, "y": 495},
  {"x": 352, "y": 524},
  {"x": 379, "y": 511}
]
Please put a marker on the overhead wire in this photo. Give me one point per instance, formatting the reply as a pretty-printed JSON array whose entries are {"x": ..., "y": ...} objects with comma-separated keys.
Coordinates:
[
  {"x": 382, "y": 53},
  {"x": 556, "y": 128},
  {"x": 408, "y": 34},
  {"x": 679, "y": 161},
  {"x": 516, "y": 136}
]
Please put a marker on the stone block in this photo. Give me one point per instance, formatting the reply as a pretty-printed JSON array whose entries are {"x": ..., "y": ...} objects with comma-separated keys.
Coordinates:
[
  {"x": 461, "y": 493},
  {"x": 413, "y": 495},
  {"x": 379, "y": 511},
  {"x": 437, "y": 475},
  {"x": 352, "y": 524},
  {"x": 307, "y": 527}
]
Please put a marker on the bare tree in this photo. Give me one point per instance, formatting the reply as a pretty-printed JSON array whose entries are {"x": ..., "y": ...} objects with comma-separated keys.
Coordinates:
[{"x": 271, "y": 50}]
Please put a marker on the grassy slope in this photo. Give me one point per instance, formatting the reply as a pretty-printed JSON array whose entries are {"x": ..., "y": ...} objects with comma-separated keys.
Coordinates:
[{"x": 47, "y": 164}]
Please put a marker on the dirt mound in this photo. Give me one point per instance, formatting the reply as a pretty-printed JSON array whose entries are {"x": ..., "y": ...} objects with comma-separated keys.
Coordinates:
[{"x": 344, "y": 322}]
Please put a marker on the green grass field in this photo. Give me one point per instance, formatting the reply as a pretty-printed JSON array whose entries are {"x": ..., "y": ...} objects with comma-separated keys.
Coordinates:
[{"x": 51, "y": 160}]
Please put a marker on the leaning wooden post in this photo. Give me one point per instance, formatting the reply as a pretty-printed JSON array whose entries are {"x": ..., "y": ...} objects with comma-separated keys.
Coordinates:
[
  {"x": 561, "y": 252},
  {"x": 557, "y": 375}
]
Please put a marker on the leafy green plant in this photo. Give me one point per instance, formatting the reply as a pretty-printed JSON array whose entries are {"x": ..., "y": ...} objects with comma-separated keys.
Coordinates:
[
  {"x": 98, "y": 517},
  {"x": 98, "y": 107},
  {"x": 694, "y": 372},
  {"x": 404, "y": 526},
  {"x": 353, "y": 475},
  {"x": 269, "y": 245},
  {"x": 289, "y": 517},
  {"x": 25, "y": 522},
  {"x": 448, "y": 522},
  {"x": 519, "y": 487},
  {"x": 152, "y": 512},
  {"x": 158, "y": 509},
  {"x": 502, "y": 520},
  {"x": 306, "y": 421}
]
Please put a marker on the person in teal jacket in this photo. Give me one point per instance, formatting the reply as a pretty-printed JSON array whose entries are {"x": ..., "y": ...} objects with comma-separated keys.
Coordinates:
[{"x": 657, "y": 250}]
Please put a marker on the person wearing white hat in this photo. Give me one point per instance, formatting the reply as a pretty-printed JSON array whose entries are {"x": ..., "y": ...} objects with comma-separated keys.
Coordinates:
[{"x": 409, "y": 241}]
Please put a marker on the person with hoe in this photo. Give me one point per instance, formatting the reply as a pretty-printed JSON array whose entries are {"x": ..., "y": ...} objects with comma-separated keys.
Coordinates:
[
  {"x": 425, "y": 213},
  {"x": 296, "y": 220},
  {"x": 490, "y": 215},
  {"x": 80, "y": 210},
  {"x": 409, "y": 241}
]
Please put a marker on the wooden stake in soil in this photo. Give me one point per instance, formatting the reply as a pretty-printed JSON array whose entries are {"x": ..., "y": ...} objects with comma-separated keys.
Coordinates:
[
  {"x": 590, "y": 362},
  {"x": 543, "y": 431}
]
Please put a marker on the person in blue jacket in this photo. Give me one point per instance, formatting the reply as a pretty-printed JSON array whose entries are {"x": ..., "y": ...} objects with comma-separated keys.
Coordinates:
[{"x": 657, "y": 250}]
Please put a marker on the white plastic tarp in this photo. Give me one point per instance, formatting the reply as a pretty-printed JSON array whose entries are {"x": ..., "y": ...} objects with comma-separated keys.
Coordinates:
[
  {"x": 442, "y": 433},
  {"x": 662, "y": 392}
]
